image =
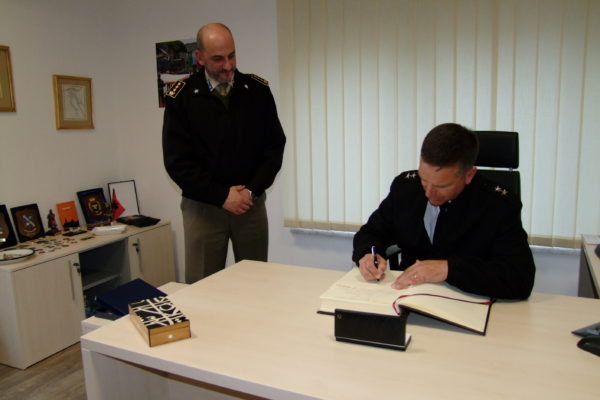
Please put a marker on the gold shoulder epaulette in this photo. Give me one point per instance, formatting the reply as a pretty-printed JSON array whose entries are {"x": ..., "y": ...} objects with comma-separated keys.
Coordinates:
[
  {"x": 259, "y": 79},
  {"x": 175, "y": 89}
]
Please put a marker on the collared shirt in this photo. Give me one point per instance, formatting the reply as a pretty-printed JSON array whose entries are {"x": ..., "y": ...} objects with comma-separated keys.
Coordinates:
[
  {"x": 212, "y": 83},
  {"x": 430, "y": 219}
]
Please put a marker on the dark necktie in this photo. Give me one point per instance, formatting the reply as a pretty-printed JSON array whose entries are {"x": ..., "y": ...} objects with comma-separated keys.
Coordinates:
[{"x": 222, "y": 89}]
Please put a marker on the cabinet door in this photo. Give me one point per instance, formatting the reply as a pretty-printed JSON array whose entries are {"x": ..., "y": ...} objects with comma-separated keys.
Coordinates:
[
  {"x": 151, "y": 256},
  {"x": 49, "y": 302}
]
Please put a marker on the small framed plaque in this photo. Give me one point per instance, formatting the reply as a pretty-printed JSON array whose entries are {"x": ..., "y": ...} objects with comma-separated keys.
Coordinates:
[
  {"x": 7, "y": 233},
  {"x": 28, "y": 222},
  {"x": 94, "y": 207}
]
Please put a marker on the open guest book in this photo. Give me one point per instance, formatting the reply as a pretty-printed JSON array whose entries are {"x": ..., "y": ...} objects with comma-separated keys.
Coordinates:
[{"x": 436, "y": 300}]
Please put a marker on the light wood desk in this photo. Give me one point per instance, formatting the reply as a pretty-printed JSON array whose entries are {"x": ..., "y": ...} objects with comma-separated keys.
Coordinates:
[{"x": 255, "y": 332}]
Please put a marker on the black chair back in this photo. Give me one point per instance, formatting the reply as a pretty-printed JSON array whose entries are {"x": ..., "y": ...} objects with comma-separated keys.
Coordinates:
[{"x": 500, "y": 149}]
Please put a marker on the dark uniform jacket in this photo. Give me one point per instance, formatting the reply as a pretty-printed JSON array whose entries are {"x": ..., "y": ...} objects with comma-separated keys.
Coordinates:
[
  {"x": 479, "y": 233},
  {"x": 208, "y": 147}
]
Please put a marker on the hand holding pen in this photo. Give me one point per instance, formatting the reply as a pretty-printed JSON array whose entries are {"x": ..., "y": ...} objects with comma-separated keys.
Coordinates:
[
  {"x": 378, "y": 274},
  {"x": 376, "y": 262},
  {"x": 372, "y": 266}
]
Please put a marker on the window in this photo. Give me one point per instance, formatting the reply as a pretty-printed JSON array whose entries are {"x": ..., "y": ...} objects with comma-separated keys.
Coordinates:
[{"x": 362, "y": 82}]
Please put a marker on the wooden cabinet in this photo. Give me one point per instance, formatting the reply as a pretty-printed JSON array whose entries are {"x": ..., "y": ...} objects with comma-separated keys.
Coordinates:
[
  {"x": 42, "y": 299},
  {"x": 151, "y": 256},
  {"x": 46, "y": 312}
]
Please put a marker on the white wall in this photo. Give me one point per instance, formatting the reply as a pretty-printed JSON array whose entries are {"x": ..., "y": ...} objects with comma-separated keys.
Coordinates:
[
  {"x": 39, "y": 164},
  {"x": 113, "y": 43}
]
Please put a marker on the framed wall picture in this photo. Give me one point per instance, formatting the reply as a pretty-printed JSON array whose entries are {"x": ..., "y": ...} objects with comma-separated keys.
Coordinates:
[
  {"x": 73, "y": 102},
  {"x": 94, "y": 207},
  {"x": 7, "y": 233},
  {"x": 28, "y": 222},
  {"x": 124, "y": 199},
  {"x": 7, "y": 97}
]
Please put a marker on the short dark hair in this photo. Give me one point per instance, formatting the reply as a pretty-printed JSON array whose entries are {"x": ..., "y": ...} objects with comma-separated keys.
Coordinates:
[{"x": 450, "y": 144}]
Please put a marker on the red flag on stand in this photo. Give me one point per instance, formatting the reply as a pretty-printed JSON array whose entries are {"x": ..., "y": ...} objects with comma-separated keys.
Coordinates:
[{"x": 117, "y": 207}]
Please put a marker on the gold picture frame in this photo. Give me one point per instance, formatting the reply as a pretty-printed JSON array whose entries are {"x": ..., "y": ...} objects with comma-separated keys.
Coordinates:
[
  {"x": 7, "y": 97},
  {"x": 73, "y": 102}
]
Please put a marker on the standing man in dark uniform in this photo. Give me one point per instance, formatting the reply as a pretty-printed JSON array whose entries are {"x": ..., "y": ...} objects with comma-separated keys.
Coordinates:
[
  {"x": 450, "y": 223},
  {"x": 223, "y": 146}
]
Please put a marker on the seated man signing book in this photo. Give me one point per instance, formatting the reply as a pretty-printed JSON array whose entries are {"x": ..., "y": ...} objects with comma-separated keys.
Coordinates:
[{"x": 450, "y": 223}]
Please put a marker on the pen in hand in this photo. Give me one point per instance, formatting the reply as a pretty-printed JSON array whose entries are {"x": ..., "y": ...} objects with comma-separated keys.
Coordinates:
[{"x": 375, "y": 260}]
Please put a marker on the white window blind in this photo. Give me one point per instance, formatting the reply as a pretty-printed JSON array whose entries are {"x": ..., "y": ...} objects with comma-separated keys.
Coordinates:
[{"x": 362, "y": 82}]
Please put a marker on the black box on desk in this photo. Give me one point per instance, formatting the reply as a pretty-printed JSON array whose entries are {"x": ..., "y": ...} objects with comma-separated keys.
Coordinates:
[
  {"x": 379, "y": 330},
  {"x": 159, "y": 321}
]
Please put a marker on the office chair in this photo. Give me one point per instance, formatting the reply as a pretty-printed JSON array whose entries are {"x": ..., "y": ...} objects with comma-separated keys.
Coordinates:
[
  {"x": 497, "y": 149},
  {"x": 500, "y": 149}
]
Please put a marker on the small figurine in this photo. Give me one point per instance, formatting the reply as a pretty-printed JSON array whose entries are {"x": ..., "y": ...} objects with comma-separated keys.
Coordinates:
[{"x": 52, "y": 225}]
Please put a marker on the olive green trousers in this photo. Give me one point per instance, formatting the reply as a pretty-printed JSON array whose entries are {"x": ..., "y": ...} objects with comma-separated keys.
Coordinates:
[{"x": 208, "y": 230}]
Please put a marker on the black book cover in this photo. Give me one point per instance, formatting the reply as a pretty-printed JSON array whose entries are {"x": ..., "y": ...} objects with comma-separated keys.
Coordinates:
[{"x": 118, "y": 299}]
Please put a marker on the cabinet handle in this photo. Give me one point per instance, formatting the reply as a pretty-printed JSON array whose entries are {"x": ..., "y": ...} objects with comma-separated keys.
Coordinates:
[
  {"x": 138, "y": 247},
  {"x": 78, "y": 269}
]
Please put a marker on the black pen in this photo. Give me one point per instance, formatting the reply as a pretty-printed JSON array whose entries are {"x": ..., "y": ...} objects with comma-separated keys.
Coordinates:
[{"x": 375, "y": 260}]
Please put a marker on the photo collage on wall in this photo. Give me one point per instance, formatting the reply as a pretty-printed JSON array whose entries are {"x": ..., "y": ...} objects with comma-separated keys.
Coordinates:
[{"x": 175, "y": 60}]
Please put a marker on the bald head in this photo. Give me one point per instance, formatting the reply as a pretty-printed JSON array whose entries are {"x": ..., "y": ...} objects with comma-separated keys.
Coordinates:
[
  {"x": 216, "y": 51},
  {"x": 211, "y": 32}
]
